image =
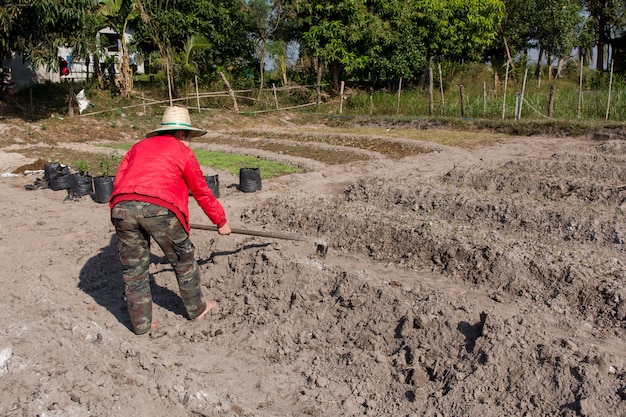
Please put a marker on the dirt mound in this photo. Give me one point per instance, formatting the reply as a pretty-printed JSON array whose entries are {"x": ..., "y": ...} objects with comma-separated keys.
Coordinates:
[
  {"x": 547, "y": 235},
  {"x": 472, "y": 283}
]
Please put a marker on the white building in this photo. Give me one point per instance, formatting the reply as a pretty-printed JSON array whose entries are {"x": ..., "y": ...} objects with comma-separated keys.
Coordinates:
[{"x": 24, "y": 74}]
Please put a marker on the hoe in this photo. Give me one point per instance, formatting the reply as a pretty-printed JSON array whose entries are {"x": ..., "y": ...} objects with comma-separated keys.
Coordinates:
[{"x": 322, "y": 246}]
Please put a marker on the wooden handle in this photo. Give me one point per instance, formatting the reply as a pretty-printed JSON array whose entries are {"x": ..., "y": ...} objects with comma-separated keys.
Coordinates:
[{"x": 262, "y": 233}]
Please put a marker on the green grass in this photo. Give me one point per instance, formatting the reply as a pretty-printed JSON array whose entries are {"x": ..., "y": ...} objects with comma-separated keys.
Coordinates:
[
  {"x": 484, "y": 95},
  {"x": 232, "y": 163},
  {"x": 485, "y": 100},
  {"x": 414, "y": 102}
]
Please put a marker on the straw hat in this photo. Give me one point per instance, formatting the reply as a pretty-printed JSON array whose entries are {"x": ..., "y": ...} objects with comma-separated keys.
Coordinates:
[{"x": 176, "y": 118}]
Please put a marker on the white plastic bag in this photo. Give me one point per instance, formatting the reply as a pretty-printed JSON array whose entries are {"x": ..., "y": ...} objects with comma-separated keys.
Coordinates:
[{"x": 82, "y": 101}]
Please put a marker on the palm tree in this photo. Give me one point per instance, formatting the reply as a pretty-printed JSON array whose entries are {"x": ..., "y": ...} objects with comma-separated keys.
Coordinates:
[{"x": 184, "y": 59}]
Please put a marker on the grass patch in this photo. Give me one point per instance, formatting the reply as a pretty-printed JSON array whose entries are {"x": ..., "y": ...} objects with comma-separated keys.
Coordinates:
[
  {"x": 107, "y": 164},
  {"x": 233, "y": 163}
]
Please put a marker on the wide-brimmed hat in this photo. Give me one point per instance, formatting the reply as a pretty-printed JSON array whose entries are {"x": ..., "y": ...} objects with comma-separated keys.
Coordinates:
[{"x": 176, "y": 118}]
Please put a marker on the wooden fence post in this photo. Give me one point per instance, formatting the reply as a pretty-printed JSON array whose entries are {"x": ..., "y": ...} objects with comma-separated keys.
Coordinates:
[
  {"x": 169, "y": 82},
  {"x": 462, "y": 91},
  {"x": 506, "y": 81},
  {"x": 431, "y": 104},
  {"x": 399, "y": 94},
  {"x": 343, "y": 83},
  {"x": 371, "y": 100},
  {"x": 230, "y": 93},
  {"x": 608, "y": 102},
  {"x": 551, "y": 103},
  {"x": 318, "y": 87},
  {"x": 519, "y": 116},
  {"x": 443, "y": 102},
  {"x": 275, "y": 96},
  {"x": 197, "y": 94},
  {"x": 580, "y": 88},
  {"x": 484, "y": 99}
]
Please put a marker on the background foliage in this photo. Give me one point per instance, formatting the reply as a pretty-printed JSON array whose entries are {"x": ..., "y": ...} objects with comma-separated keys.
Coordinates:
[{"x": 376, "y": 44}]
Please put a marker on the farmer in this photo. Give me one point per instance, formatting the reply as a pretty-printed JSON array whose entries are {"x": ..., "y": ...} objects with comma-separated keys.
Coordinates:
[{"x": 150, "y": 199}]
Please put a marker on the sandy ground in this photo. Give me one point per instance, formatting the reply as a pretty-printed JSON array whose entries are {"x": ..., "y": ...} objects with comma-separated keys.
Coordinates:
[{"x": 483, "y": 282}]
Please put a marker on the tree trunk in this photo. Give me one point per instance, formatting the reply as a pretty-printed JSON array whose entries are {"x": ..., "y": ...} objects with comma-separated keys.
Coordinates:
[
  {"x": 508, "y": 52},
  {"x": 126, "y": 80},
  {"x": 261, "y": 69},
  {"x": 97, "y": 72},
  {"x": 538, "y": 68},
  {"x": 283, "y": 70},
  {"x": 421, "y": 83},
  {"x": 335, "y": 72},
  {"x": 318, "y": 87},
  {"x": 559, "y": 68},
  {"x": 601, "y": 43},
  {"x": 549, "y": 65}
]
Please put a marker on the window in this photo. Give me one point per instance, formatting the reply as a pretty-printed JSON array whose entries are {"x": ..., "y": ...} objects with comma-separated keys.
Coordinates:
[{"x": 110, "y": 41}]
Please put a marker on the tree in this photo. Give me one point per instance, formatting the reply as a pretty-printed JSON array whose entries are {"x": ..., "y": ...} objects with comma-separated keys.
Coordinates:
[
  {"x": 278, "y": 52},
  {"x": 186, "y": 60},
  {"x": 35, "y": 29},
  {"x": 404, "y": 45},
  {"x": 166, "y": 25},
  {"x": 118, "y": 13},
  {"x": 517, "y": 26},
  {"x": 343, "y": 34},
  {"x": 395, "y": 38},
  {"x": 461, "y": 30},
  {"x": 608, "y": 17},
  {"x": 264, "y": 20},
  {"x": 557, "y": 27}
]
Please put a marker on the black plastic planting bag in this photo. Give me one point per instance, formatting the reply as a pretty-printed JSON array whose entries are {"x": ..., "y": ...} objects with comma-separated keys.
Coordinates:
[
  {"x": 103, "y": 187},
  {"x": 249, "y": 180},
  {"x": 80, "y": 185},
  {"x": 61, "y": 182},
  {"x": 213, "y": 182},
  {"x": 57, "y": 176},
  {"x": 55, "y": 170}
]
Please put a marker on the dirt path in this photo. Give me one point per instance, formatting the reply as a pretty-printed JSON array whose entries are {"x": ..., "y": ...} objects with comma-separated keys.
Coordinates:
[{"x": 475, "y": 282}]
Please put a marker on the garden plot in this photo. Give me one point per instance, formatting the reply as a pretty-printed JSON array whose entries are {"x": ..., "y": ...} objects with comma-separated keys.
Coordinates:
[{"x": 481, "y": 282}]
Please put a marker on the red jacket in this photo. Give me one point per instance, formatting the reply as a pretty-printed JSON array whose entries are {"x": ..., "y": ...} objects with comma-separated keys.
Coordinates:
[{"x": 162, "y": 170}]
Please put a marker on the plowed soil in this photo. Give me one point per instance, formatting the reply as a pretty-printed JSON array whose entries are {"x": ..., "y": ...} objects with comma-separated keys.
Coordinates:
[{"x": 460, "y": 281}]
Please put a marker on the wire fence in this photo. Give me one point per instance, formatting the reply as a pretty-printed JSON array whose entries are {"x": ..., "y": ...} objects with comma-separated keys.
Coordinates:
[{"x": 504, "y": 100}]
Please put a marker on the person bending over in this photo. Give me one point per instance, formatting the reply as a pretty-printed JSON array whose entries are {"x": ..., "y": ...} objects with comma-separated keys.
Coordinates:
[{"x": 150, "y": 199}]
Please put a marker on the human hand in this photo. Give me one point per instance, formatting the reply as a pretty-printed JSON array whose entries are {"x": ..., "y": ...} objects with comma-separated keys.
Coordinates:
[{"x": 224, "y": 230}]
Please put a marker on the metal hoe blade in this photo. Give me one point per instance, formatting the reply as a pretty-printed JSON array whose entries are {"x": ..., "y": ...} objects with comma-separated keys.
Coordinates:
[{"x": 322, "y": 246}]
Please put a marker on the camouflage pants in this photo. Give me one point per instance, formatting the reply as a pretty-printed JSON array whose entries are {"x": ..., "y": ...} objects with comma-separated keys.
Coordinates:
[{"x": 135, "y": 222}]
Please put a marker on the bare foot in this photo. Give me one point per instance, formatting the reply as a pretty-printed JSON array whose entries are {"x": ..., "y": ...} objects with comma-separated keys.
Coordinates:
[{"x": 209, "y": 305}]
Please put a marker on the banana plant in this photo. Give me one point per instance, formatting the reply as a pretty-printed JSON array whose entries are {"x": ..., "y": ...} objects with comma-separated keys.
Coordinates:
[{"x": 118, "y": 13}]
